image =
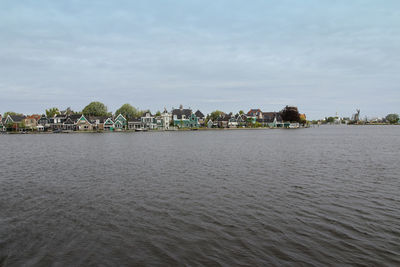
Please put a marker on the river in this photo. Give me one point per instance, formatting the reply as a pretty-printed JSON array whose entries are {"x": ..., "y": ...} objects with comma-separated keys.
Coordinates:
[{"x": 320, "y": 196}]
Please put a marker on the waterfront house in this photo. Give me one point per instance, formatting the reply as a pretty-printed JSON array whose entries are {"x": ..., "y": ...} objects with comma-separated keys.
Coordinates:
[
  {"x": 241, "y": 120},
  {"x": 120, "y": 123},
  {"x": 69, "y": 123},
  {"x": 43, "y": 123},
  {"x": 83, "y": 124},
  {"x": 163, "y": 121},
  {"x": 210, "y": 124},
  {"x": 97, "y": 122},
  {"x": 184, "y": 118},
  {"x": 233, "y": 123},
  {"x": 15, "y": 122},
  {"x": 31, "y": 122},
  {"x": 109, "y": 125},
  {"x": 149, "y": 121},
  {"x": 270, "y": 119},
  {"x": 257, "y": 113},
  {"x": 223, "y": 120},
  {"x": 135, "y": 124},
  {"x": 200, "y": 117},
  {"x": 57, "y": 122}
]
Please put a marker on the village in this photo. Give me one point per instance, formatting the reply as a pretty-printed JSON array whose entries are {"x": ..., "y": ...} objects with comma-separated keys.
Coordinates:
[{"x": 92, "y": 120}]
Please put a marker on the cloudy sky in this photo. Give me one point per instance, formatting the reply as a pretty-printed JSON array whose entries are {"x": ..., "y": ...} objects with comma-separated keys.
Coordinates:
[{"x": 323, "y": 56}]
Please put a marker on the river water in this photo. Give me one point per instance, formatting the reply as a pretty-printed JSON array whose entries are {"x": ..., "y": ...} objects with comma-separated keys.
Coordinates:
[{"x": 319, "y": 196}]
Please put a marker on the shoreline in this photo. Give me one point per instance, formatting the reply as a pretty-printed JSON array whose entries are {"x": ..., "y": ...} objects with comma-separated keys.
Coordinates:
[
  {"x": 193, "y": 129},
  {"x": 154, "y": 131}
]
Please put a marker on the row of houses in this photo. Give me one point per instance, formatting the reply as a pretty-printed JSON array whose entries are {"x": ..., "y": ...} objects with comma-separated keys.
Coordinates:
[
  {"x": 177, "y": 118},
  {"x": 180, "y": 118},
  {"x": 253, "y": 118}
]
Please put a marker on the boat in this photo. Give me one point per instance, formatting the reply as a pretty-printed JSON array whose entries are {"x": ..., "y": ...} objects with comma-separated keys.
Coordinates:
[{"x": 140, "y": 130}]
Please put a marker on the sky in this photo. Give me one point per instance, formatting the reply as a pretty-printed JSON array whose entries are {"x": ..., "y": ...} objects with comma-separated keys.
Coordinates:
[{"x": 324, "y": 56}]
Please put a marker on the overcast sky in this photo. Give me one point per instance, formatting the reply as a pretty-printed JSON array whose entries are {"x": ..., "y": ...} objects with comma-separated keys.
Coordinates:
[{"x": 322, "y": 56}]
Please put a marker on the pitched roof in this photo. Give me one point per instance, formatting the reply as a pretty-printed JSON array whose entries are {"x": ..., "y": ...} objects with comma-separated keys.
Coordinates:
[
  {"x": 199, "y": 114},
  {"x": 225, "y": 117},
  {"x": 34, "y": 116},
  {"x": 69, "y": 121},
  {"x": 253, "y": 111},
  {"x": 180, "y": 112},
  {"x": 93, "y": 119},
  {"x": 72, "y": 119},
  {"x": 147, "y": 113},
  {"x": 17, "y": 118},
  {"x": 120, "y": 116}
]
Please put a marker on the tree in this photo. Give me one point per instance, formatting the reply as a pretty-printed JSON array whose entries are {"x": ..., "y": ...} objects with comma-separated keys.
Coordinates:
[
  {"x": 291, "y": 114},
  {"x": 10, "y": 126},
  {"x": 69, "y": 111},
  {"x": 158, "y": 113},
  {"x": 12, "y": 113},
  {"x": 330, "y": 120},
  {"x": 241, "y": 112},
  {"x": 392, "y": 118},
  {"x": 95, "y": 109},
  {"x": 215, "y": 114},
  {"x": 51, "y": 112},
  {"x": 128, "y": 111},
  {"x": 303, "y": 119}
]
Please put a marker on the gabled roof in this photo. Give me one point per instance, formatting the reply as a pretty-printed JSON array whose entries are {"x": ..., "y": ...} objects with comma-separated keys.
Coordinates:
[
  {"x": 253, "y": 112},
  {"x": 34, "y": 116},
  {"x": 147, "y": 114},
  {"x": 73, "y": 119},
  {"x": 101, "y": 119},
  {"x": 16, "y": 118},
  {"x": 120, "y": 116},
  {"x": 199, "y": 114},
  {"x": 82, "y": 118},
  {"x": 69, "y": 121},
  {"x": 270, "y": 116},
  {"x": 76, "y": 117},
  {"x": 225, "y": 117},
  {"x": 108, "y": 121},
  {"x": 180, "y": 112}
]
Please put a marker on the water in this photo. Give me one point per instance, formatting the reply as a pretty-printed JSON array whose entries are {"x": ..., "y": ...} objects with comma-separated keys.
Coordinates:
[{"x": 321, "y": 196}]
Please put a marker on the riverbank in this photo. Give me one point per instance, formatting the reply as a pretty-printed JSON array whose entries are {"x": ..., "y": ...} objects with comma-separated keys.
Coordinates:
[{"x": 170, "y": 130}]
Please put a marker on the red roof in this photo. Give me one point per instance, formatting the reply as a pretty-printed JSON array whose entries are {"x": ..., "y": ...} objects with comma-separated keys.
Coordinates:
[
  {"x": 34, "y": 116},
  {"x": 253, "y": 111}
]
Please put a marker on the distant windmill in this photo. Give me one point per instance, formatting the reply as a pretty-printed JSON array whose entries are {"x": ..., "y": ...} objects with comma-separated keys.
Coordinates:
[{"x": 356, "y": 117}]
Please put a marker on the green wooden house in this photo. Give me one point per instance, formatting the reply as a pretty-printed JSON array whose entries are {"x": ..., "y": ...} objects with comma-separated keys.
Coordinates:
[
  {"x": 120, "y": 123},
  {"x": 185, "y": 118},
  {"x": 109, "y": 125}
]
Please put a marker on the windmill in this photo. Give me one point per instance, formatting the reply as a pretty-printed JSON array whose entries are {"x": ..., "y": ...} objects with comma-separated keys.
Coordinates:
[{"x": 356, "y": 117}]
